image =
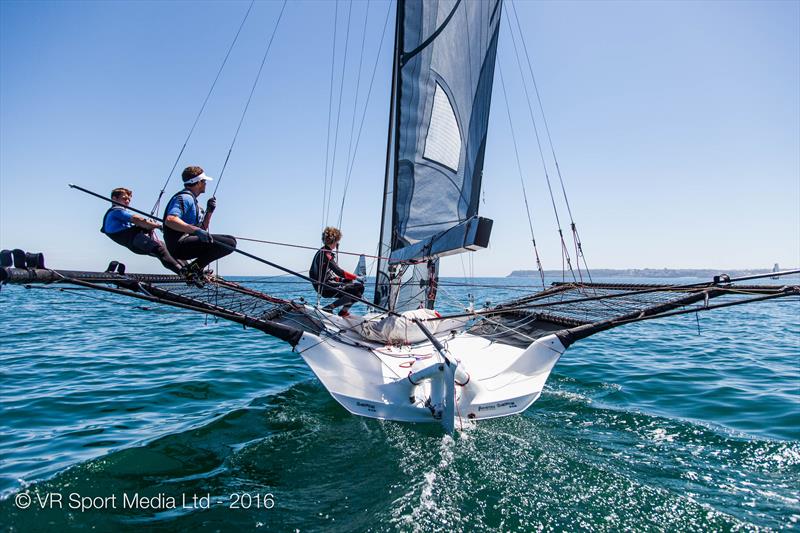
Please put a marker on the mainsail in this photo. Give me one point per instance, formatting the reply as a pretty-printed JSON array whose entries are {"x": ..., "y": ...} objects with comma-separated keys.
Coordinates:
[{"x": 443, "y": 72}]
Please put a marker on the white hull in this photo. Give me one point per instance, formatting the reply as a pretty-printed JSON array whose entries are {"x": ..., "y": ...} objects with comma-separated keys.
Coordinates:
[{"x": 413, "y": 383}]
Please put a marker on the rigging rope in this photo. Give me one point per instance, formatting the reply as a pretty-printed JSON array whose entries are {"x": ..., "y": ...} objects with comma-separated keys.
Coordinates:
[
  {"x": 242, "y": 252},
  {"x": 306, "y": 247},
  {"x": 521, "y": 178},
  {"x": 202, "y": 108},
  {"x": 355, "y": 110},
  {"x": 575, "y": 235},
  {"x": 79, "y": 291},
  {"x": 363, "y": 115},
  {"x": 330, "y": 109},
  {"x": 249, "y": 98},
  {"x": 564, "y": 250},
  {"x": 338, "y": 111},
  {"x": 602, "y": 321}
]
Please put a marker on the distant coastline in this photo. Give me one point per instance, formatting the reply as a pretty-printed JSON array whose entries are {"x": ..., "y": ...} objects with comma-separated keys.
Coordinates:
[{"x": 650, "y": 272}]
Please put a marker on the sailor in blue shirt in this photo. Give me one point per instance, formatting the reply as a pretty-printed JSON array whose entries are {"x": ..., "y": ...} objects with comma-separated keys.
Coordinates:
[
  {"x": 134, "y": 232},
  {"x": 186, "y": 225}
]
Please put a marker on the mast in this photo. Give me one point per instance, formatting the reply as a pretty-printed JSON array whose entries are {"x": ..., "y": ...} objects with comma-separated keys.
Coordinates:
[{"x": 389, "y": 156}]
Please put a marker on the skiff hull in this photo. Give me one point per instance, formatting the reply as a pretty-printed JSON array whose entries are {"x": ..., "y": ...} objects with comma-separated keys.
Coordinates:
[{"x": 413, "y": 383}]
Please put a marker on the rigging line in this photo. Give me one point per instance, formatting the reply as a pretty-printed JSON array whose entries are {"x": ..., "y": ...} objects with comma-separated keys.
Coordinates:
[
  {"x": 576, "y": 236},
  {"x": 564, "y": 250},
  {"x": 446, "y": 299},
  {"x": 538, "y": 97},
  {"x": 453, "y": 297},
  {"x": 266, "y": 280},
  {"x": 463, "y": 269},
  {"x": 234, "y": 249},
  {"x": 370, "y": 268},
  {"x": 695, "y": 309},
  {"x": 471, "y": 266},
  {"x": 630, "y": 304},
  {"x": 250, "y": 97},
  {"x": 232, "y": 316},
  {"x": 307, "y": 247},
  {"x": 514, "y": 330},
  {"x": 475, "y": 286},
  {"x": 202, "y": 108},
  {"x": 533, "y": 120},
  {"x": 339, "y": 109},
  {"x": 78, "y": 291},
  {"x": 355, "y": 111},
  {"x": 521, "y": 179},
  {"x": 411, "y": 298},
  {"x": 364, "y": 113},
  {"x": 330, "y": 109},
  {"x": 579, "y": 251},
  {"x": 509, "y": 326}
]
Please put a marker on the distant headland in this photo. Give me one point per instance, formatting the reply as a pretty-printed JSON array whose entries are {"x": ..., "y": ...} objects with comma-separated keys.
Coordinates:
[{"x": 650, "y": 272}]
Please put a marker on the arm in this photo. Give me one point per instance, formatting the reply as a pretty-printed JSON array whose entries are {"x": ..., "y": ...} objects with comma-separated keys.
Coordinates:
[
  {"x": 339, "y": 271},
  {"x": 210, "y": 207},
  {"x": 173, "y": 220},
  {"x": 175, "y": 223},
  {"x": 206, "y": 220},
  {"x": 145, "y": 223}
]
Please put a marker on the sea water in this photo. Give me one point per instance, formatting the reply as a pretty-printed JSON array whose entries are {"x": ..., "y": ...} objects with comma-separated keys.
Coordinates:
[{"x": 122, "y": 415}]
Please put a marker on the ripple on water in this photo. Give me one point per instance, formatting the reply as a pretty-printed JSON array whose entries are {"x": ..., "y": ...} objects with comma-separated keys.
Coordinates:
[{"x": 643, "y": 427}]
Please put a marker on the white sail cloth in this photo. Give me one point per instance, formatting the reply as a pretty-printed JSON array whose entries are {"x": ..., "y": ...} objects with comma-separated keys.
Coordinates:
[{"x": 402, "y": 329}]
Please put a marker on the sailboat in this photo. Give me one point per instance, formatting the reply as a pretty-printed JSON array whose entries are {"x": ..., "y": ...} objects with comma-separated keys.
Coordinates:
[{"x": 402, "y": 360}]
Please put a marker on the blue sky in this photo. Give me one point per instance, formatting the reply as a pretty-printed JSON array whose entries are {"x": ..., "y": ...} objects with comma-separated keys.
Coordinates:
[{"x": 676, "y": 125}]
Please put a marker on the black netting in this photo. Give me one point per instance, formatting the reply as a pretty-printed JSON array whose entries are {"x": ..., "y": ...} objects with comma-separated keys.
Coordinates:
[
  {"x": 582, "y": 304},
  {"x": 573, "y": 310},
  {"x": 239, "y": 303},
  {"x": 580, "y": 310},
  {"x": 231, "y": 297}
]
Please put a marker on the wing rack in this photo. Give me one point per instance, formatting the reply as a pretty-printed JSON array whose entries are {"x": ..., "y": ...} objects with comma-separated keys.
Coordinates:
[
  {"x": 280, "y": 318},
  {"x": 578, "y": 310}
]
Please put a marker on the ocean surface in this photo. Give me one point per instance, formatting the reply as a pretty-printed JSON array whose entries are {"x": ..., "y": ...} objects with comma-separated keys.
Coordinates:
[{"x": 690, "y": 423}]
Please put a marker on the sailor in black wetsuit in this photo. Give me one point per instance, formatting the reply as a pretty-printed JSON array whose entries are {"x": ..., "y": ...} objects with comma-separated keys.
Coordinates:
[
  {"x": 134, "y": 232},
  {"x": 330, "y": 279},
  {"x": 186, "y": 226}
]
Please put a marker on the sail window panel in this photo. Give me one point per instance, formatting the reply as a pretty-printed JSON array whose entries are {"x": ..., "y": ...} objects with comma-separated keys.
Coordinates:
[
  {"x": 443, "y": 140},
  {"x": 434, "y": 206}
]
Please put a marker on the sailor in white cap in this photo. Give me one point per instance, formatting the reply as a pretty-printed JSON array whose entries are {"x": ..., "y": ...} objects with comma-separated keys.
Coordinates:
[{"x": 186, "y": 226}]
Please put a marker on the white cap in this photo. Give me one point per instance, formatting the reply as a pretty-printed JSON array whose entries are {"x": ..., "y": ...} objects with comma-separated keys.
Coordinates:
[{"x": 197, "y": 179}]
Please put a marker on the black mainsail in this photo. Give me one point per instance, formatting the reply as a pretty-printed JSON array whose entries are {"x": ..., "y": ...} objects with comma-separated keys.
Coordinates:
[{"x": 442, "y": 87}]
